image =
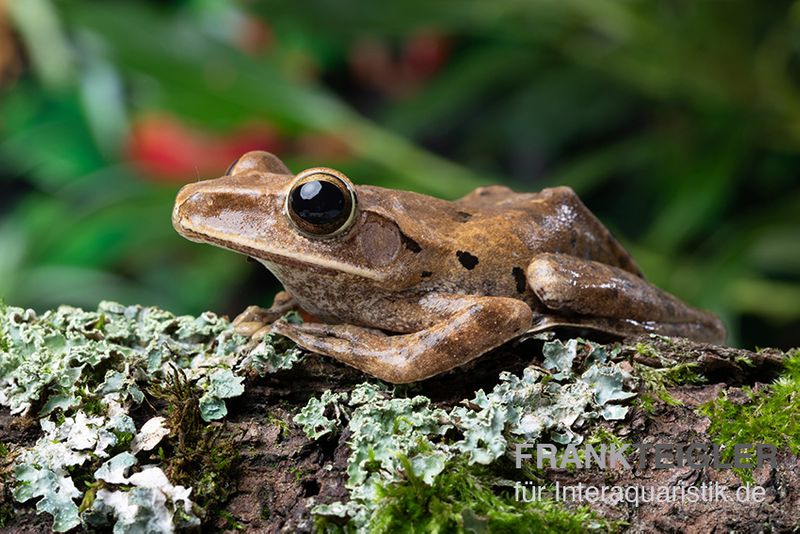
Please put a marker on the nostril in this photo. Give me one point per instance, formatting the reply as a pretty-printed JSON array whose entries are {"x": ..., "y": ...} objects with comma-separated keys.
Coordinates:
[{"x": 185, "y": 193}]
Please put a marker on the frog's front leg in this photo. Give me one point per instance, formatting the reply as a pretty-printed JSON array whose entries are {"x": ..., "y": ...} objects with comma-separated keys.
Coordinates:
[
  {"x": 254, "y": 319},
  {"x": 465, "y": 328},
  {"x": 590, "y": 294}
]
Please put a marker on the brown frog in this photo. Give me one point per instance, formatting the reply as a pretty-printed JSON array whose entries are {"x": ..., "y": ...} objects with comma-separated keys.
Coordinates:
[{"x": 405, "y": 286}]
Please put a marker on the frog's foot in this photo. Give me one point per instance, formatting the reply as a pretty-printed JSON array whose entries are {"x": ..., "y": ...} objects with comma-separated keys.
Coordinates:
[
  {"x": 586, "y": 293},
  {"x": 469, "y": 327},
  {"x": 252, "y": 322}
]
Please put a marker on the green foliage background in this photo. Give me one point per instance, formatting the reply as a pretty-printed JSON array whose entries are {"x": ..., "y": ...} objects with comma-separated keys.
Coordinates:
[{"x": 678, "y": 123}]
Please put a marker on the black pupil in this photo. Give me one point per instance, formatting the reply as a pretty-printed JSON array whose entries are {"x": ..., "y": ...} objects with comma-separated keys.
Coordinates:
[{"x": 319, "y": 202}]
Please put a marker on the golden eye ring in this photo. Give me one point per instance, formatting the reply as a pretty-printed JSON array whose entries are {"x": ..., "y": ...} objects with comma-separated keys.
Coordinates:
[{"x": 321, "y": 203}]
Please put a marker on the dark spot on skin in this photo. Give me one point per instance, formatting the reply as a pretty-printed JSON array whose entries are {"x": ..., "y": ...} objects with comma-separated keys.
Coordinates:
[
  {"x": 231, "y": 166},
  {"x": 519, "y": 277},
  {"x": 467, "y": 260},
  {"x": 426, "y": 274},
  {"x": 410, "y": 244},
  {"x": 463, "y": 216},
  {"x": 573, "y": 239}
]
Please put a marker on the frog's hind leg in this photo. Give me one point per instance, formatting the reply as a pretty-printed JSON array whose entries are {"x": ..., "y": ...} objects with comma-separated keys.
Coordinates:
[
  {"x": 588, "y": 294},
  {"x": 467, "y": 327},
  {"x": 254, "y": 320}
]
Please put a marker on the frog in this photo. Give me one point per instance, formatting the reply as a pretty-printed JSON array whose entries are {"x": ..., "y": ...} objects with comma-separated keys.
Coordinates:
[{"x": 404, "y": 286}]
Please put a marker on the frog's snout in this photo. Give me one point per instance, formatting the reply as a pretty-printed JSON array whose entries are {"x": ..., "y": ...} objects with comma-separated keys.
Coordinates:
[
  {"x": 187, "y": 197},
  {"x": 185, "y": 193},
  {"x": 228, "y": 206}
]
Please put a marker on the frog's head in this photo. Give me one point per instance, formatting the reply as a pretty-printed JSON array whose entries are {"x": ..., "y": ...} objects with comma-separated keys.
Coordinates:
[{"x": 313, "y": 221}]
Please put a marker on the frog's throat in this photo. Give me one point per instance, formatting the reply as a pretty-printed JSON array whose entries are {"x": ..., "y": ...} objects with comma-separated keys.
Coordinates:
[{"x": 262, "y": 253}]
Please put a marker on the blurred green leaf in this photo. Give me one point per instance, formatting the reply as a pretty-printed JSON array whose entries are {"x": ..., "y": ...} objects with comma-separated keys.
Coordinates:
[{"x": 678, "y": 124}]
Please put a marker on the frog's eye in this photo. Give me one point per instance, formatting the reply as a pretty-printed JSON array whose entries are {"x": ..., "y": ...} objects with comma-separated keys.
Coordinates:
[{"x": 321, "y": 203}]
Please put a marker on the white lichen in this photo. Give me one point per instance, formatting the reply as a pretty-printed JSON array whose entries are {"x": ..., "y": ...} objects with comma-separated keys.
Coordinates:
[
  {"x": 393, "y": 438},
  {"x": 53, "y": 362}
]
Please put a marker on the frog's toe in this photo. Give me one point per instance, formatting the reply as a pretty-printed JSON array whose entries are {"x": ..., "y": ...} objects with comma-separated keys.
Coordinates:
[
  {"x": 261, "y": 332},
  {"x": 250, "y": 322},
  {"x": 346, "y": 332},
  {"x": 315, "y": 337},
  {"x": 286, "y": 328},
  {"x": 248, "y": 329},
  {"x": 253, "y": 319},
  {"x": 297, "y": 331}
]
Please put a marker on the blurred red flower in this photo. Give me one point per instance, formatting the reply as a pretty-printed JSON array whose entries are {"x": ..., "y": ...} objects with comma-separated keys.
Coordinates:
[
  {"x": 10, "y": 50},
  {"x": 402, "y": 72},
  {"x": 166, "y": 149},
  {"x": 254, "y": 36}
]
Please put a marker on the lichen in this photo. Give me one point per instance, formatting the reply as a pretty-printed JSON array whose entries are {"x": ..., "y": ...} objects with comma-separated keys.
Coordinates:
[
  {"x": 219, "y": 385},
  {"x": 403, "y": 447},
  {"x": 150, "y": 504},
  {"x": 82, "y": 372},
  {"x": 313, "y": 419}
]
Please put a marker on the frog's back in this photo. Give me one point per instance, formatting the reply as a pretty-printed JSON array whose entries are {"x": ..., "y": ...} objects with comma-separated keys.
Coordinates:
[
  {"x": 552, "y": 220},
  {"x": 483, "y": 243}
]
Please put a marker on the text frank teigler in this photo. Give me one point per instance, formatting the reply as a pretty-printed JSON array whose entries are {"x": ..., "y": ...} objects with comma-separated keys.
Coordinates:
[{"x": 641, "y": 456}]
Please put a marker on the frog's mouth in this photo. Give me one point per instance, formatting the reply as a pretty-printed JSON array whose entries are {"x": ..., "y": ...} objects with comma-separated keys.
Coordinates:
[{"x": 265, "y": 256}]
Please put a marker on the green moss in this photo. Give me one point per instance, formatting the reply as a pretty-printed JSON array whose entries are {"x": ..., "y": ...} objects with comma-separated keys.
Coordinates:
[
  {"x": 283, "y": 427},
  {"x": 6, "y": 504},
  {"x": 183, "y": 405},
  {"x": 769, "y": 416},
  {"x": 463, "y": 498},
  {"x": 791, "y": 366},
  {"x": 218, "y": 465},
  {"x": 671, "y": 370},
  {"x": 203, "y": 457},
  {"x": 90, "y": 496},
  {"x": 297, "y": 472},
  {"x": 93, "y": 406},
  {"x": 101, "y": 323},
  {"x": 646, "y": 350},
  {"x": 647, "y": 403},
  {"x": 685, "y": 374},
  {"x": 6, "y": 514},
  {"x": 657, "y": 381},
  {"x": 231, "y": 522},
  {"x": 123, "y": 439},
  {"x": 604, "y": 436}
]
